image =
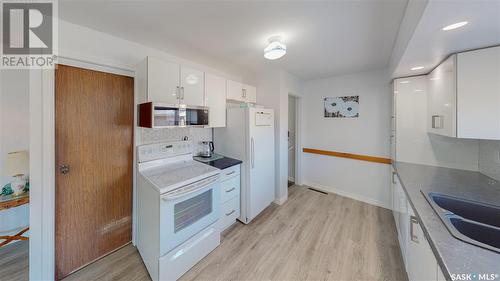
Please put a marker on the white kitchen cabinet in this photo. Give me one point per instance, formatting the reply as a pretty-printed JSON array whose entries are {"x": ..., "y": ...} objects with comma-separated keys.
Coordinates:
[
  {"x": 421, "y": 262},
  {"x": 230, "y": 197},
  {"x": 441, "y": 110},
  {"x": 464, "y": 95},
  {"x": 249, "y": 93},
  {"x": 234, "y": 90},
  {"x": 215, "y": 100},
  {"x": 192, "y": 84},
  {"x": 478, "y": 94},
  {"x": 393, "y": 121},
  {"x": 402, "y": 216},
  {"x": 170, "y": 83},
  {"x": 241, "y": 92},
  {"x": 418, "y": 257},
  {"x": 158, "y": 81}
]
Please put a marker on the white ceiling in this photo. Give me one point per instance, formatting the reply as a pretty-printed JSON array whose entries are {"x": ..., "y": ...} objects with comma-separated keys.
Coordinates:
[
  {"x": 430, "y": 45},
  {"x": 323, "y": 38}
]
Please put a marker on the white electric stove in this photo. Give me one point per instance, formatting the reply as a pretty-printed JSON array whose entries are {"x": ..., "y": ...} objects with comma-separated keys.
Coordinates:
[{"x": 178, "y": 203}]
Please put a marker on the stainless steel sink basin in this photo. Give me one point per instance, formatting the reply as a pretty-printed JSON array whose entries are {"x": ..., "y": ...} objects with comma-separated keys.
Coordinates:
[{"x": 473, "y": 222}]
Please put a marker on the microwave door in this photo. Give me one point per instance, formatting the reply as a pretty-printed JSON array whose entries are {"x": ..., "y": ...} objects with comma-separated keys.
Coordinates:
[
  {"x": 197, "y": 117},
  {"x": 166, "y": 116}
]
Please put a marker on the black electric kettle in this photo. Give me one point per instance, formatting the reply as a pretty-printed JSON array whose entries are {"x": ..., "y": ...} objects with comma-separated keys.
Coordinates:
[{"x": 208, "y": 149}]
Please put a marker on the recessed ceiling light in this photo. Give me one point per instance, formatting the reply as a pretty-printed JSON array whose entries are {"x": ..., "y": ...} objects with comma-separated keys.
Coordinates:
[
  {"x": 417, "y": 68},
  {"x": 404, "y": 82},
  {"x": 275, "y": 49},
  {"x": 455, "y": 25}
]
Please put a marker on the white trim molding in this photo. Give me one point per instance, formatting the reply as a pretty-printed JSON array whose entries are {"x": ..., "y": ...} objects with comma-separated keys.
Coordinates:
[{"x": 42, "y": 175}]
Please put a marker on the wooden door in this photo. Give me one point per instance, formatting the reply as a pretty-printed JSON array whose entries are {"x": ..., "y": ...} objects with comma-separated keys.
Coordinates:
[{"x": 94, "y": 113}]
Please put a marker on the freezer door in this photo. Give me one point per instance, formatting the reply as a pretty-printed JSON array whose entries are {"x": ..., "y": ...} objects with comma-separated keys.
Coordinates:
[{"x": 261, "y": 165}]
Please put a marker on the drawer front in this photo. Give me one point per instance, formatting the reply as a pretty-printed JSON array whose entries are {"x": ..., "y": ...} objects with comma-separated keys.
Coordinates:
[
  {"x": 230, "y": 172},
  {"x": 230, "y": 188},
  {"x": 230, "y": 211}
]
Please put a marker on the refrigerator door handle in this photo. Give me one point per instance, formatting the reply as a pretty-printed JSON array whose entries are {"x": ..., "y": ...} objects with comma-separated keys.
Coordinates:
[{"x": 252, "y": 152}]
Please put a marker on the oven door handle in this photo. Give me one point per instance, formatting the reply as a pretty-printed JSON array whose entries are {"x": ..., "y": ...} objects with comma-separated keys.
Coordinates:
[{"x": 191, "y": 188}]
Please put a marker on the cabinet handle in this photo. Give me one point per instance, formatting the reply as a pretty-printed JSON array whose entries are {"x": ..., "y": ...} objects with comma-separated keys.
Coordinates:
[
  {"x": 437, "y": 122},
  {"x": 393, "y": 177},
  {"x": 228, "y": 174},
  {"x": 413, "y": 221},
  {"x": 182, "y": 93},
  {"x": 232, "y": 189},
  {"x": 230, "y": 213},
  {"x": 178, "y": 92}
]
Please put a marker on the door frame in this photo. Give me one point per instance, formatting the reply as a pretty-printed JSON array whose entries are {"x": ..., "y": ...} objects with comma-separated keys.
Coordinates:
[
  {"x": 42, "y": 164},
  {"x": 298, "y": 137}
]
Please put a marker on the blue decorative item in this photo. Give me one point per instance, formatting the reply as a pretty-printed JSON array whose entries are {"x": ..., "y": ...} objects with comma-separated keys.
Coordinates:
[
  {"x": 27, "y": 187},
  {"x": 6, "y": 190}
]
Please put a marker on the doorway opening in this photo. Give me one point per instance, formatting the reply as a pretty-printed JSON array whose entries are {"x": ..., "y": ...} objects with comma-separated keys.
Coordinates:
[{"x": 292, "y": 140}]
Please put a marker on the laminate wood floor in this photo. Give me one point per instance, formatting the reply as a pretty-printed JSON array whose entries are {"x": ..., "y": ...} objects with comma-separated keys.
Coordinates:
[
  {"x": 313, "y": 236},
  {"x": 14, "y": 261}
]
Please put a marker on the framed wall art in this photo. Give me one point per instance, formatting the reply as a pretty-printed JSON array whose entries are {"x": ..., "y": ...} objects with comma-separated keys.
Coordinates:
[{"x": 341, "y": 107}]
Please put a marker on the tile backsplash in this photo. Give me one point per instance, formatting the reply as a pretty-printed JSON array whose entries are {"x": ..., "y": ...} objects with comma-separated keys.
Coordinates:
[
  {"x": 489, "y": 158},
  {"x": 195, "y": 135}
]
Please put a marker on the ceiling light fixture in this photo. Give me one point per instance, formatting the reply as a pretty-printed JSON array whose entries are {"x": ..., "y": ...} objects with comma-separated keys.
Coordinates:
[
  {"x": 455, "y": 25},
  {"x": 275, "y": 49},
  {"x": 417, "y": 68}
]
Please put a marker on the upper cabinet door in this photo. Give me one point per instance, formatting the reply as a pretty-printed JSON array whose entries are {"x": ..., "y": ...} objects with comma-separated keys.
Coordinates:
[
  {"x": 249, "y": 93},
  {"x": 442, "y": 99},
  {"x": 234, "y": 91},
  {"x": 192, "y": 85},
  {"x": 215, "y": 99},
  {"x": 162, "y": 81},
  {"x": 478, "y": 94}
]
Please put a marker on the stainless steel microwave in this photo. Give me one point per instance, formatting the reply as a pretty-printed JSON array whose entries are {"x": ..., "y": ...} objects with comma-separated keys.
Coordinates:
[{"x": 158, "y": 115}]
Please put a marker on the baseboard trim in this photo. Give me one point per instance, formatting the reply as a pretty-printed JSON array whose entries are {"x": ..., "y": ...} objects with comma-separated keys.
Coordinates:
[{"x": 357, "y": 197}]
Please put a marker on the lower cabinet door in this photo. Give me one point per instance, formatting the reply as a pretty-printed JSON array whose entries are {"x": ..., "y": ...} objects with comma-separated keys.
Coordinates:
[
  {"x": 229, "y": 212},
  {"x": 422, "y": 265}
]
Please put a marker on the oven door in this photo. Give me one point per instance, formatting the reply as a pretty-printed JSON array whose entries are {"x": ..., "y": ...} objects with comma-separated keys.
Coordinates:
[{"x": 188, "y": 210}]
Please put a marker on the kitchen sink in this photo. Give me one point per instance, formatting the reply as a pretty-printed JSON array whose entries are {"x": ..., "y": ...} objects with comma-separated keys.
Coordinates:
[
  {"x": 471, "y": 221},
  {"x": 476, "y": 231},
  {"x": 468, "y": 209}
]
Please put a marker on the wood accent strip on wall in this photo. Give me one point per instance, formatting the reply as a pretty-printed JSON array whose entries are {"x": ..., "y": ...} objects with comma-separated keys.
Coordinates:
[{"x": 348, "y": 155}]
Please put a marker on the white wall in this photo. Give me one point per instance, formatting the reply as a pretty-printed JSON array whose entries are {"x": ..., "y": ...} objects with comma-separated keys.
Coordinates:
[
  {"x": 273, "y": 88},
  {"x": 367, "y": 135},
  {"x": 14, "y": 136},
  {"x": 489, "y": 158}
]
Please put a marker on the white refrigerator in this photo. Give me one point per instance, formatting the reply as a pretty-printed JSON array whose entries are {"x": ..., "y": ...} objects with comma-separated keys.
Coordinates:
[{"x": 249, "y": 137}]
